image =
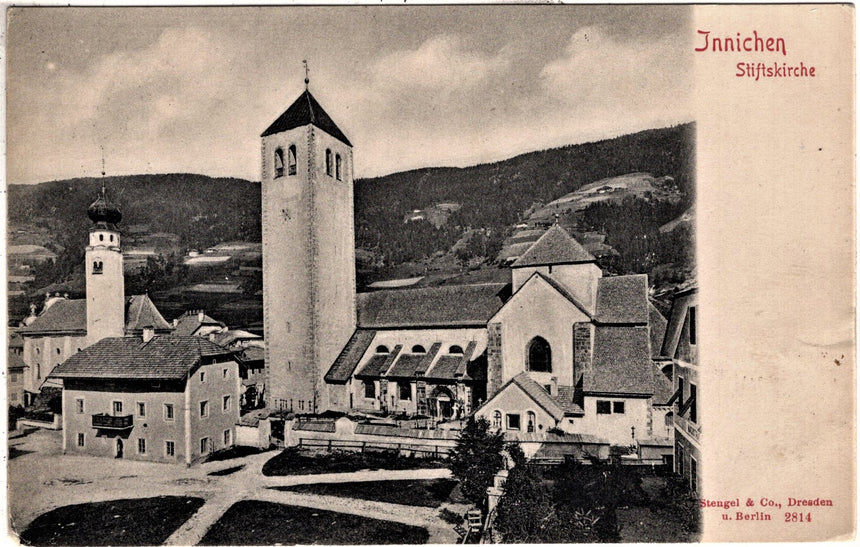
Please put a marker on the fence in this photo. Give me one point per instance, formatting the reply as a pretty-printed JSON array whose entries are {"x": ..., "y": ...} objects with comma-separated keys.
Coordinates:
[{"x": 433, "y": 451}]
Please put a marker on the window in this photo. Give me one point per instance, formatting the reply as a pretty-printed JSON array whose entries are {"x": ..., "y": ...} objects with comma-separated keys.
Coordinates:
[
  {"x": 202, "y": 376},
  {"x": 37, "y": 351},
  {"x": 141, "y": 446},
  {"x": 226, "y": 403},
  {"x": 328, "y": 161},
  {"x": 204, "y": 445},
  {"x": 227, "y": 437},
  {"x": 79, "y": 406},
  {"x": 618, "y": 407},
  {"x": 497, "y": 420},
  {"x": 337, "y": 167},
  {"x": 539, "y": 355},
  {"x": 418, "y": 349},
  {"x": 513, "y": 421},
  {"x": 604, "y": 407},
  {"x": 168, "y": 412},
  {"x": 38, "y": 369},
  {"x": 381, "y": 349},
  {"x": 204, "y": 409},
  {"x": 369, "y": 389},
  {"x": 169, "y": 449},
  {"x": 141, "y": 410},
  {"x": 81, "y": 439},
  {"x": 225, "y": 373},
  {"x": 692, "y": 314},
  {"x": 58, "y": 351},
  {"x": 455, "y": 350},
  {"x": 405, "y": 389},
  {"x": 669, "y": 420},
  {"x": 291, "y": 160},
  {"x": 694, "y": 471},
  {"x": 111, "y": 237},
  {"x": 302, "y": 405},
  {"x": 101, "y": 237},
  {"x": 98, "y": 267},
  {"x": 530, "y": 427},
  {"x": 693, "y": 414},
  {"x": 117, "y": 408},
  {"x": 279, "y": 163}
]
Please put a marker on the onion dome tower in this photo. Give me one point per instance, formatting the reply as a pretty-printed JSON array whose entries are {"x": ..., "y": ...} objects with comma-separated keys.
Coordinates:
[{"x": 104, "y": 274}]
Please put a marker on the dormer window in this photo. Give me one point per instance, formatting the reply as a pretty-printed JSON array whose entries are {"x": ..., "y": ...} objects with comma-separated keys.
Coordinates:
[
  {"x": 291, "y": 159},
  {"x": 418, "y": 349},
  {"x": 279, "y": 163},
  {"x": 382, "y": 349},
  {"x": 337, "y": 167},
  {"x": 455, "y": 350},
  {"x": 98, "y": 267},
  {"x": 328, "y": 161}
]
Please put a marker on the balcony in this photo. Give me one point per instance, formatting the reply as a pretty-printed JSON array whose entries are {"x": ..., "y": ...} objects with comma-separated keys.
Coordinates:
[{"x": 116, "y": 423}]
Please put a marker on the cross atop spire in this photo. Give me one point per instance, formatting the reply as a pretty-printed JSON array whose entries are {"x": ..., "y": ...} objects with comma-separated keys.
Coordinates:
[{"x": 307, "y": 70}]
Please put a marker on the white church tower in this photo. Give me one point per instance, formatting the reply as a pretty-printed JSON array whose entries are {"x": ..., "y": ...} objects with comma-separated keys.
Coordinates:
[
  {"x": 308, "y": 253},
  {"x": 104, "y": 274}
]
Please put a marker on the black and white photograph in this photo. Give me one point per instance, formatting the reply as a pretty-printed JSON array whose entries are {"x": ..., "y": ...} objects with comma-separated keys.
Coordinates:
[{"x": 366, "y": 274}]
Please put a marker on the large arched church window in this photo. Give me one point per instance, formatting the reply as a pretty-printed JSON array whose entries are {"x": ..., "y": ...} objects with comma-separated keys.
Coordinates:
[
  {"x": 539, "y": 355},
  {"x": 279, "y": 163},
  {"x": 337, "y": 166}
]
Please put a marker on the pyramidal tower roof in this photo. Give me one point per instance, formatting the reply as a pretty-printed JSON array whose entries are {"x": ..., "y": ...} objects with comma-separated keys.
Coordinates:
[
  {"x": 306, "y": 111},
  {"x": 555, "y": 246}
]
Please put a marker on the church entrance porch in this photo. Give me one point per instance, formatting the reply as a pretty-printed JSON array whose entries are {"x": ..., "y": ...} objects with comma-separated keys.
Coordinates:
[{"x": 443, "y": 405}]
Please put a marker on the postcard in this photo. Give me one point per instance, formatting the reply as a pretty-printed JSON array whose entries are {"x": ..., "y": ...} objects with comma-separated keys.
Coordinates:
[{"x": 400, "y": 274}]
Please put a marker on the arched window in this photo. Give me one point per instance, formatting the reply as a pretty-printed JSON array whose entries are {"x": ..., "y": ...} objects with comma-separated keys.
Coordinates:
[
  {"x": 97, "y": 267},
  {"x": 418, "y": 349},
  {"x": 530, "y": 426},
  {"x": 539, "y": 355},
  {"x": 497, "y": 420},
  {"x": 381, "y": 349},
  {"x": 101, "y": 237},
  {"x": 456, "y": 350},
  {"x": 328, "y": 161},
  {"x": 111, "y": 237},
  {"x": 291, "y": 159},
  {"x": 38, "y": 371},
  {"x": 279, "y": 163},
  {"x": 58, "y": 351},
  {"x": 337, "y": 166}
]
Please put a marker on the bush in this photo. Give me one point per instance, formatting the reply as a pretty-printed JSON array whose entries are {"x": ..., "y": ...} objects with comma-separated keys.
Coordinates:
[{"x": 476, "y": 459}]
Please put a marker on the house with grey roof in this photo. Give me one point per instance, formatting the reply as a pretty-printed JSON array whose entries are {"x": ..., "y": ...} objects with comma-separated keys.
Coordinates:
[{"x": 162, "y": 398}]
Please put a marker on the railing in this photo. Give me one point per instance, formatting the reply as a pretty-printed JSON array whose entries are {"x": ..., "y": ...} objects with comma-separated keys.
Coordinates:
[
  {"x": 106, "y": 421},
  {"x": 434, "y": 451}
]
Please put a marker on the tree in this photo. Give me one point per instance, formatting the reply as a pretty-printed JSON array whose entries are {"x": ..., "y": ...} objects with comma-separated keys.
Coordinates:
[
  {"x": 525, "y": 513},
  {"x": 476, "y": 459}
]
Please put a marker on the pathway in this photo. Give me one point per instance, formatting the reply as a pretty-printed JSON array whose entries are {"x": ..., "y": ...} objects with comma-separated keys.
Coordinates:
[{"x": 45, "y": 480}]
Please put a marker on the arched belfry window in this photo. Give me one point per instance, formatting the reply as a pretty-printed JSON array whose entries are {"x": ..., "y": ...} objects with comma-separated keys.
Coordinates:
[
  {"x": 328, "y": 161},
  {"x": 98, "y": 267},
  {"x": 337, "y": 167},
  {"x": 539, "y": 355},
  {"x": 279, "y": 163},
  {"x": 291, "y": 159}
]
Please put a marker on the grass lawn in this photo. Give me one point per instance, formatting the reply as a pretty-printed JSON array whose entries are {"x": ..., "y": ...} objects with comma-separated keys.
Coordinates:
[
  {"x": 252, "y": 522},
  {"x": 147, "y": 521},
  {"x": 292, "y": 461},
  {"x": 420, "y": 493}
]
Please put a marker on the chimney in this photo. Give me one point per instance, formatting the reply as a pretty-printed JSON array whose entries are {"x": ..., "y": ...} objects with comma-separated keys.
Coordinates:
[
  {"x": 553, "y": 386},
  {"x": 200, "y": 316},
  {"x": 175, "y": 322},
  {"x": 211, "y": 336},
  {"x": 148, "y": 333}
]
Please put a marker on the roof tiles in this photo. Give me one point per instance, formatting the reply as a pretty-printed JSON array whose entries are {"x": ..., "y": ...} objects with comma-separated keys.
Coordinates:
[
  {"x": 306, "y": 111},
  {"x": 555, "y": 246},
  {"x": 622, "y": 299},
  {"x": 622, "y": 362},
  {"x": 168, "y": 357},
  {"x": 343, "y": 367},
  {"x": 450, "y": 305}
]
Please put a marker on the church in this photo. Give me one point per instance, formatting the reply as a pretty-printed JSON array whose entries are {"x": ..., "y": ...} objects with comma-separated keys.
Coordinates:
[{"x": 560, "y": 348}]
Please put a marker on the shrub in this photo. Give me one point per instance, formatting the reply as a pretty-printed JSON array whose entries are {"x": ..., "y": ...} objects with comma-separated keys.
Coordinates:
[{"x": 476, "y": 458}]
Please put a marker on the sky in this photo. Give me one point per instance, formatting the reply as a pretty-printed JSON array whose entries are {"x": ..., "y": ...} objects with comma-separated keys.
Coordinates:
[{"x": 165, "y": 90}]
